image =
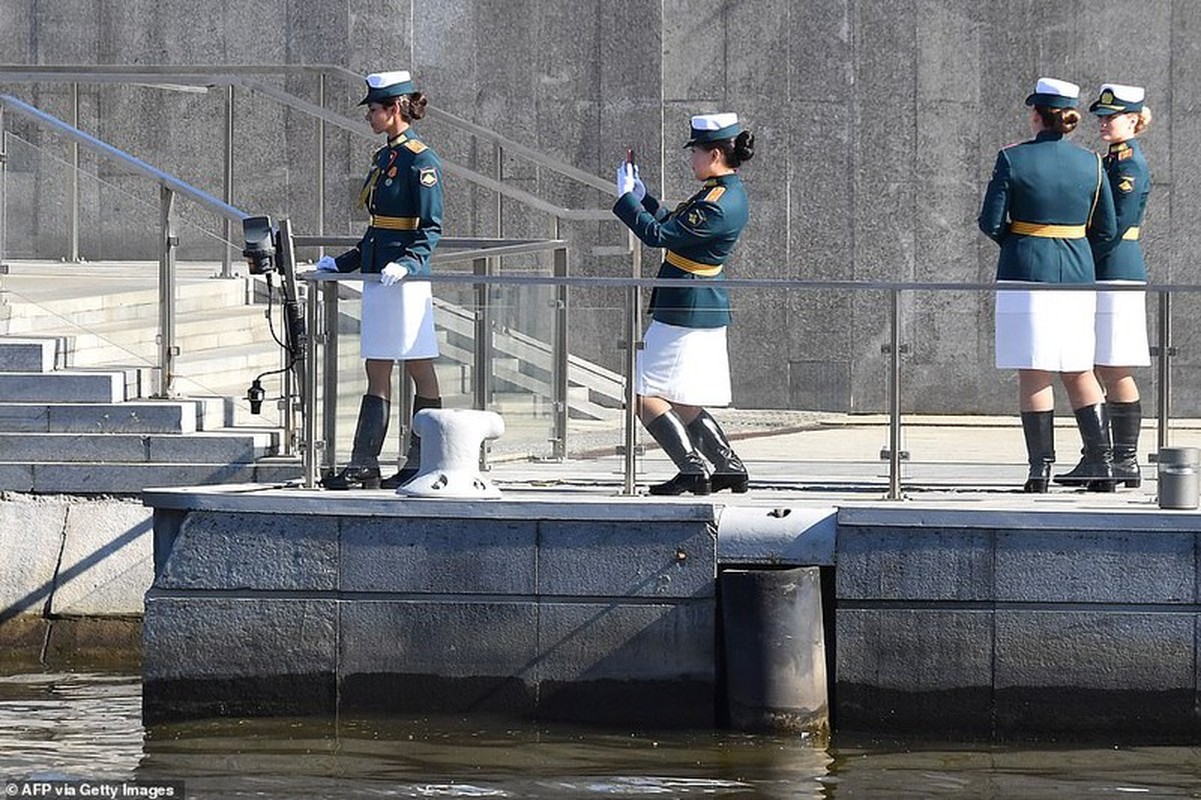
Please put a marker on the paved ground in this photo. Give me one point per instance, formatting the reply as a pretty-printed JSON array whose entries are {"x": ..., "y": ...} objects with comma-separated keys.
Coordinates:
[
  {"x": 799, "y": 455},
  {"x": 834, "y": 459}
]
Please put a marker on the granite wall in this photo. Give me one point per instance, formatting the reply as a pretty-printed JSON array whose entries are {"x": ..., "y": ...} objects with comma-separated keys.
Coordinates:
[{"x": 877, "y": 126}]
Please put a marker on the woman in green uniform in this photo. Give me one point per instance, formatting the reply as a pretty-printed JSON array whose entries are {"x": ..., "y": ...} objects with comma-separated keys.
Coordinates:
[
  {"x": 403, "y": 195},
  {"x": 684, "y": 365},
  {"x": 1122, "y": 316},
  {"x": 1047, "y": 202}
]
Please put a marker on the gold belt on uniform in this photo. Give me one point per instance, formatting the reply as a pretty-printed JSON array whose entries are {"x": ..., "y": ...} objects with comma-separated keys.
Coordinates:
[
  {"x": 688, "y": 265},
  {"x": 1132, "y": 233},
  {"x": 395, "y": 223},
  {"x": 1047, "y": 231}
]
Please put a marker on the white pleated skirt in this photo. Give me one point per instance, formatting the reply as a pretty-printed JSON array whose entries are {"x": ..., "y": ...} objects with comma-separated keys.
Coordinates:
[
  {"x": 1045, "y": 330},
  {"x": 398, "y": 321},
  {"x": 684, "y": 365},
  {"x": 1122, "y": 327}
]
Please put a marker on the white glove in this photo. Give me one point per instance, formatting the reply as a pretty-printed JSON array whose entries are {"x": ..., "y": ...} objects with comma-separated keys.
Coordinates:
[
  {"x": 327, "y": 264},
  {"x": 625, "y": 178},
  {"x": 639, "y": 187},
  {"x": 393, "y": 273}
]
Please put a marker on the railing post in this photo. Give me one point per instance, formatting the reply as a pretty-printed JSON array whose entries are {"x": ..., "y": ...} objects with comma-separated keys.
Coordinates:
[
  {"x": 329, "y": 361},
  {"x": 320, "y": 163},
  {"x": 167, "y": 351},
  {"x": 633, "y": 344},
  {"x": 894, "y": 397},
  {"x": 228, "y": 181},
  {"x": 1163, "y": 369},
  {"x": 73, "y": 216},
  {"x": 318, "y": 333},
  {"x": 561, "y": 353},
  {"x": 482, "y": 367},
  {"x": 3, "y": 192}
]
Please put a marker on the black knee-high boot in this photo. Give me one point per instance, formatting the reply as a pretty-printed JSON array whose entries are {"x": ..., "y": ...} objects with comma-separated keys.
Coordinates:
[
  {"x": 728, "y": 470},
  {"x": 363, "y": 469},
  {"x": 412, "y": 463},
  {"x": 1095, "y": 469},
  {"x": 1125, "y": 423},
  {"x": 669, "y": 431},
  {"x": 1039, "y": 428}
]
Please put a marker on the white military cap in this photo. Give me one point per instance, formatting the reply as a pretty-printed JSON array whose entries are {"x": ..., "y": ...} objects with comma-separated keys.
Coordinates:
[{"x": 1054, "y": 93}]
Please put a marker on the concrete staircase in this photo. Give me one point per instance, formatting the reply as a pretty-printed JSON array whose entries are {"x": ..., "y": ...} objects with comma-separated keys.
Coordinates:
[
  {"x": 86, "y": 431},
  {"x": 79, "y": 349}
]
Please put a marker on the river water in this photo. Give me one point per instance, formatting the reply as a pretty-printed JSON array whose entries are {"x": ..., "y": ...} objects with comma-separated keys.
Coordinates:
[{"x": 87, "y": 726}]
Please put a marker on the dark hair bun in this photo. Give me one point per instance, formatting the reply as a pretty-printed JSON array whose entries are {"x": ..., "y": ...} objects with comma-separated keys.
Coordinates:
[
  {"x": 414, "y": 109},
  {"x": 1069, "y": 118},
  {"x": 744, "y": 146}
]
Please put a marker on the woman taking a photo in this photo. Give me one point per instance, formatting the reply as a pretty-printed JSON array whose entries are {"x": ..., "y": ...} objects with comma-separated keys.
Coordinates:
[
  {"x": 684, "y": 365},
  {"x": 1047, "y": 201},
  {"x": 403, "y": 195}
]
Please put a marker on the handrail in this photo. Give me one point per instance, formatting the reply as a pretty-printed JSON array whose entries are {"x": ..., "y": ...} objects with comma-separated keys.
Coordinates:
[
  {"x": 169, "y": 187},
  {"x": 105, "y": 149},
  {"x": 231, "y": 74},
  {"x": 361, "y": 129}
]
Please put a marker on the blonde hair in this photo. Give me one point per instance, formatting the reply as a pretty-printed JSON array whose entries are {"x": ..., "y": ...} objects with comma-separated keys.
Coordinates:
[{"x": 1144, "y": 120}]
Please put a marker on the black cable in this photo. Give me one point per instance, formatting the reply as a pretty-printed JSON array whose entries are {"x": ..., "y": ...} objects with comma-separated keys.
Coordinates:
[{"x": 271, "y": 327}]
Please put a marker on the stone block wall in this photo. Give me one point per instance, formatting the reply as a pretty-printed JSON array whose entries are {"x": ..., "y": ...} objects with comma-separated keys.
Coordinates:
[{"x": 877, "y": 126}]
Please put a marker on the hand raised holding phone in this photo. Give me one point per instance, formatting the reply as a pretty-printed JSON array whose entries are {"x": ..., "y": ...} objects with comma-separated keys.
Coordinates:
[{"x": 629, "y": 179}]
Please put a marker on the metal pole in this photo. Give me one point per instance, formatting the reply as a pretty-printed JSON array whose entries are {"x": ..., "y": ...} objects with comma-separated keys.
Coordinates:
[
  {"x": 329, "y": 360},
  {"x": 73, "y": 217},
  {"x": 228, "y": 185},
  {"x": 320, "y": 163},
  {"x": 167, "y": 351},
  {"x": 1163, "y": 368},
  {"x": 3, "y": 191},
  {"x": 559, "y": 377},
  {"x": 317, "y": 333},
  {"x": 499, "y": 155},
  {"x": 633, "y": 344},
  {"x": 482, "y": 368},
  {"x": 894, "y": 398}
]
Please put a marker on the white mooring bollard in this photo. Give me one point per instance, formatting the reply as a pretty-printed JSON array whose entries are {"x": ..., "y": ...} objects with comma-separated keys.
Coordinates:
[{"x": 450, "y": 453}]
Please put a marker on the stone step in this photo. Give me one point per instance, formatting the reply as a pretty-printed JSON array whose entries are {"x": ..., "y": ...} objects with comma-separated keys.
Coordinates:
[
  {"x": 80, "y": 312},
  {"x": 144, "y": 416},
  {"x": 134, "y": 478},
  {"x": 64, "y": 386},
  {"x": 115, "y": 341},
  {"x": 216, "y": 447},
  {"x": 27, "y": 355}
]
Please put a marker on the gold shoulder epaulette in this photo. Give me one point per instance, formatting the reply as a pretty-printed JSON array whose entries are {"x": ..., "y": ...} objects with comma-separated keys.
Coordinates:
[
  {"x": 715, "y": 194},
  {"x": 415, "y": 146}
]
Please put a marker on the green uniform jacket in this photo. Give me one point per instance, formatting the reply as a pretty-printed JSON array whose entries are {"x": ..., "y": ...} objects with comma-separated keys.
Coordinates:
[
  {"x": 699, "y": 236},
  {"x": 403, "y": 194},
  {"x": 1130, "y": 182},
  {"x": 1048, "y": 181}
]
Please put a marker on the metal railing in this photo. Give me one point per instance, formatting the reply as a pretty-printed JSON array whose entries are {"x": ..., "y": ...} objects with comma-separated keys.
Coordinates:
[
  {"x": 1163, "y": 351},
  {"x": 321, "y": 355},
  {"x": 169, "y": 188},
  {"x": 249, "y": 77}
]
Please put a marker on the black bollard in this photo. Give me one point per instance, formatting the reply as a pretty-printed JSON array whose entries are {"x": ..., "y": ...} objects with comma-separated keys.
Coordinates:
[{"x": 774, "y": 648}]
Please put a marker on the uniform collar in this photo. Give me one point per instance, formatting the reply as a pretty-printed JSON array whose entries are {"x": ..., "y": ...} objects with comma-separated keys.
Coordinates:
[
  {"x": 400, "y": 139},
  {"x": 1121, "y": 147},
  {"x": 1048, "y": 136},
  {"x": 720, "y": 180}
]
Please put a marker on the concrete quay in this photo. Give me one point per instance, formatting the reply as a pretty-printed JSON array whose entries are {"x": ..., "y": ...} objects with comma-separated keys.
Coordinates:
[
  {"x": 967, "y": 607},
  {"x": 990, "y": 614}
]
